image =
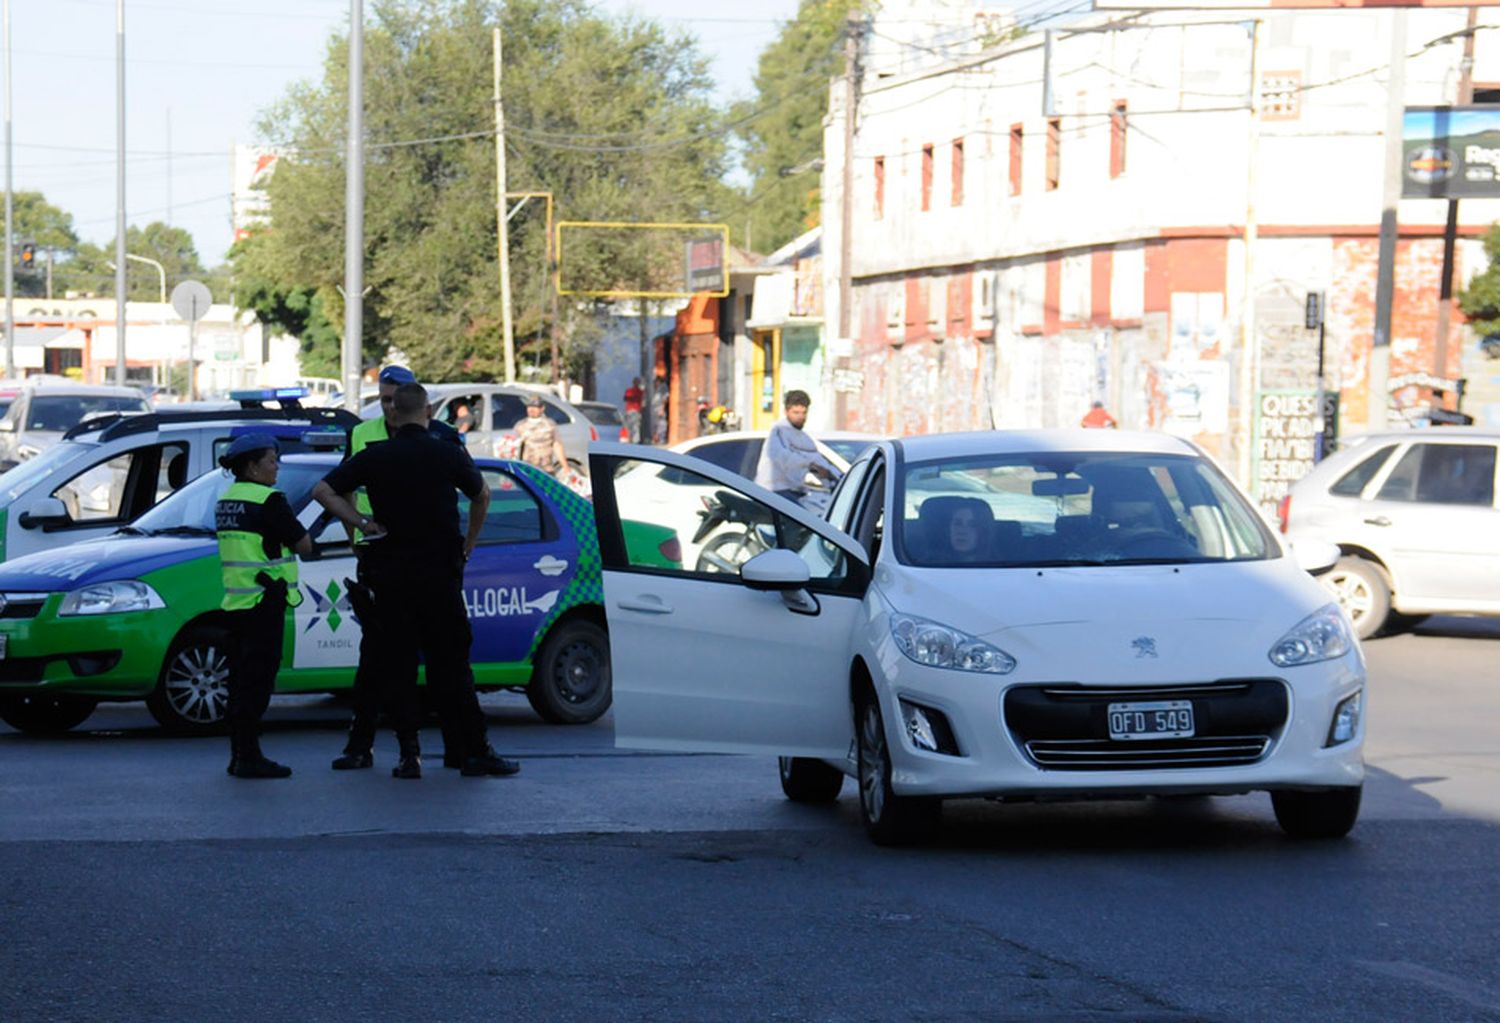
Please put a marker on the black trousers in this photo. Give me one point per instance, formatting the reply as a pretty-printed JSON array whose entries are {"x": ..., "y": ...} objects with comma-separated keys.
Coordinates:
[
  {"x": 258, "y": 635},
  {"x": 420, "y": 616}
]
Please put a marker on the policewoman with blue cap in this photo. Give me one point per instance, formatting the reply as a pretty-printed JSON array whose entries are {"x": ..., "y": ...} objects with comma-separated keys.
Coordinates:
[{"x": 259, "y": 539}]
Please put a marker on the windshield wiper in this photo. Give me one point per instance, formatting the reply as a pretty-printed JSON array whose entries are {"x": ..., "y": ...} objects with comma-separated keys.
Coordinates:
[
  {"x": 184, "y": 531},
  {"x": 132, "y": 531}
]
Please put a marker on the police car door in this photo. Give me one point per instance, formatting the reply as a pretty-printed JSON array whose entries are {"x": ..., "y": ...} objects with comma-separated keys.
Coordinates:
[
  {"x": 700, "y": 660},
  {"x": 519, "y": 571}
]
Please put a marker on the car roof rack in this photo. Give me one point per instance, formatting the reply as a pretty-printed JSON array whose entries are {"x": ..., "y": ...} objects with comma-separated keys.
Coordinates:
[{"x": 124, "y": 424}]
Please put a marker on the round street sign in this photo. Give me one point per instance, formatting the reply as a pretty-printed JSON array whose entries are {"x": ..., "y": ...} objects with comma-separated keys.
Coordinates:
[{"x": 191, "y": 299}]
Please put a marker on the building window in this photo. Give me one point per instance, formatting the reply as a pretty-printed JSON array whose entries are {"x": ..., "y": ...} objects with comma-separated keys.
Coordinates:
[
  {"x": 1054, "y": 153},
  {"x": 957, "y": 192},
  {"x": 1281, "y": 95},
  {"x": 1015, "y": 159},
  {"x": 1117, "y": 130},
  {"x": 927, "y": 177},
  {"x": 879, "y": 187}
]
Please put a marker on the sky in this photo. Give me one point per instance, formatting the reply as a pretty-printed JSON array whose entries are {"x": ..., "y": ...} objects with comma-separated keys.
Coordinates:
[{"x": 198, "y": 75}]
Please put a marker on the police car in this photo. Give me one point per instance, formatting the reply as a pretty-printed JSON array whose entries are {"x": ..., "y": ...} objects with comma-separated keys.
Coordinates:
[
  {"x": 135, "y": 615},
  {"x": 110, "y": 469}
]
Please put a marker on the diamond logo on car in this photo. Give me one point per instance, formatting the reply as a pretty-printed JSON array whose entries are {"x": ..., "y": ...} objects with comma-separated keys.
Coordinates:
[{"x": 1144, "y": 646}]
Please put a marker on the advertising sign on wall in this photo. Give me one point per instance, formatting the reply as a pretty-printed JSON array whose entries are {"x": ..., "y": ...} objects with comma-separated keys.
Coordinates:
[
  {"x": 1450, "y": 152},
  {"x": 1286, "y": 425}
]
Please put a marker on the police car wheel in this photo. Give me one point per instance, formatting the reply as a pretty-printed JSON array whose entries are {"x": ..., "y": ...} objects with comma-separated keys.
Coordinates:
[
  {"x": 570, "y": 684},
  {"x": 889, "y": 819},
  {"x": 193, "y": 692},
  {"x": 46, "y": 713},
  {"x": 804, "y": 780}
]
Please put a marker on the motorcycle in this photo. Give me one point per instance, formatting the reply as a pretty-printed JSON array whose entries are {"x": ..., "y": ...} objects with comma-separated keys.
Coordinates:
[{"x": 745, "y": 532}]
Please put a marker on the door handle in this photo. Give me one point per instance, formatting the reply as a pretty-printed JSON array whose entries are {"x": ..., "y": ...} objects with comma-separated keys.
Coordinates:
[
  {"x": 649, "y": 604},
  {"x": 1379, "y": 520}
]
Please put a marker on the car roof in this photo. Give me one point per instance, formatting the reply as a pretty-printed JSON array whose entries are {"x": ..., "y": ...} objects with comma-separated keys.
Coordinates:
[
  {"x": 1424, "y": 433},
  {"x": 102, "y": 390},
  {"x": 1005, "y": 442}
]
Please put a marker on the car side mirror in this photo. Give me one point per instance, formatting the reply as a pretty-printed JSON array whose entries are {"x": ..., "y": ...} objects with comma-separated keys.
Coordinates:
[
  {"x": 8, "y": 425},
  {"x": 778, "y": 569},
  {"x": 49, "y": 511},
  {"x": 1316, "y": 557}
]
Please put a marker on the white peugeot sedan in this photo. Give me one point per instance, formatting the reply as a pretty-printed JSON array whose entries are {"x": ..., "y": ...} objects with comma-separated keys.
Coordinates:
[{"x": 938, "y": 636}]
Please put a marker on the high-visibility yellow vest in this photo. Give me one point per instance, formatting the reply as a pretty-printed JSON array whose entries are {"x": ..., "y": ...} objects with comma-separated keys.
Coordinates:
[
  {"x": 242, "y": 552},
  {"x": 371, "y": 431}
]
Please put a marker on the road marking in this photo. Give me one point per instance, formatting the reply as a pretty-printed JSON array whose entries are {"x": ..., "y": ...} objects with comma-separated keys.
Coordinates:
[{"x": 1474, "y": 994}]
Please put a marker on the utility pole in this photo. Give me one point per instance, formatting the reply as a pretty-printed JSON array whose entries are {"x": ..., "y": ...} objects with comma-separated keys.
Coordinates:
[
  {"x": 1249, "y": 332},
  {"x": 10, "y": 230},
  {"x": 122, "y": 292},
  {"x": 1450, "y": 229},
  {"x": 846, "y": 211},
  {"x": 169, "y": 166},
  {"x": 501, "y": 222},
  {"x": 354, "y": 211},
  {"x": 1385, "y": 280}
]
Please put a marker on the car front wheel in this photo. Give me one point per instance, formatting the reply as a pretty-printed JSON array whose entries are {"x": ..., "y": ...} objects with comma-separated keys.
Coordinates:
[
  {"x": 193, "y": 692},
  {"x": 1361, "y": 588},
  {"x": 46, "y": 713},
  {"x": 570, "y": 684},
  {"x": 889, "y": 819},
  {"x": 1326, "y": 814}
]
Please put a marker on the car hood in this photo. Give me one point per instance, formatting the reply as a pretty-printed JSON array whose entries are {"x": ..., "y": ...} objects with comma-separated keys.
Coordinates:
[
  {"x": 1116, "y": 621},
  {"x": 114, "y": 557}
]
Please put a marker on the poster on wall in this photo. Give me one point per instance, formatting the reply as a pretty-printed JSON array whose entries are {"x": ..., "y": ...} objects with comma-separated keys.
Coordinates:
[
  {"x": 1450, "y": 152},
  {"x": 1286, "y": 427},
  {"x": 1196, "y": 396}
]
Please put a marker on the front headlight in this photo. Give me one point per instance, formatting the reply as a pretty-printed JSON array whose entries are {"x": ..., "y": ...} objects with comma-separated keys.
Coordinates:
[
  {"x": 938, "y": 646},
  {"x": 111, "y": 598},
  {"x": 1321, "y": 636}
]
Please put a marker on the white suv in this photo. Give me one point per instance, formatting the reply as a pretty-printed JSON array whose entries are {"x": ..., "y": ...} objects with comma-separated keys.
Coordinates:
[{"x": 1414, "y": 513}]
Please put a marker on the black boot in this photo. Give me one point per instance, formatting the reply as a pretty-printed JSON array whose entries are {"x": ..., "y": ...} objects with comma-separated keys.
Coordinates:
[
  {"x": 488, "y": 763},
  {"x": 252, "y": 763},
  {"x": 411, "y": 758},
  {"x": 353, "y": 760}
]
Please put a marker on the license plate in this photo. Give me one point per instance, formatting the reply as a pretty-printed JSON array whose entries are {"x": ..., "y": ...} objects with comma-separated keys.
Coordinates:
[{"x": 1154, "y": 719}]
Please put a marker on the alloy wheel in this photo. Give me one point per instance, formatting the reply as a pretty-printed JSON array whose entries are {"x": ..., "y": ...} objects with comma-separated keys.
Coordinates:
[
  {"x": 197, "y": 684},
  {"x": 1353, "y": 593},
  {"x": 873, "y": 760}
]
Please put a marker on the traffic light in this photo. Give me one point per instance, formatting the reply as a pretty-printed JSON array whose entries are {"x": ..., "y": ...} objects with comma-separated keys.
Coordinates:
[{"x": 28, "y": 256}]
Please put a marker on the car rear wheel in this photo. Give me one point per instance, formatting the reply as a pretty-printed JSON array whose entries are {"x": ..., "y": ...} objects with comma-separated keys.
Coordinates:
[
  {"x": 1326, "y": 814},
  {"x": 1361, "y": 588},
  {"x": 889, "y": 819},
  {"x": 805, "y": 780},
  {"x": 193, "y": 692},
  {"x": 46, "y": 713},
  {"x": 570, "y": 684}
]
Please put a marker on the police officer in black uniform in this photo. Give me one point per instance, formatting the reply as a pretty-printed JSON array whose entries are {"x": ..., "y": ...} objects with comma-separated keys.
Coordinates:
[
  {"x": 258, "y": 540},
  {"x": 371, "y": 689},
  {"x": 416, "y": 569}
]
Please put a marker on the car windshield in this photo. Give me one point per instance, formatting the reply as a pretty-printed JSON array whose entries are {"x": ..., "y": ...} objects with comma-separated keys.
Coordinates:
[
  {"x": 191, "y": 509},
  {"x": 16, "y": 481},
  {"x": 61, "y": 412},
  {"x": 1050, "y": 509},
  {"x": 601, "y": 415},
  {"x": 847, "y": 449}
]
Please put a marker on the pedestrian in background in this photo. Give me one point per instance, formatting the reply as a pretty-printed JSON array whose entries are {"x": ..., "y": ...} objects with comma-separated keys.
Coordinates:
[
  {"x": 635, "y": 399},
  {"x": 789, "y": 454},
  {"x": 416, "y": 573},
  {"x": 1097, "y": 418},
  {"x": 540, "y": 444},
  {"x": 659, "y": 390},
  {"x": 258, "y": 540}
]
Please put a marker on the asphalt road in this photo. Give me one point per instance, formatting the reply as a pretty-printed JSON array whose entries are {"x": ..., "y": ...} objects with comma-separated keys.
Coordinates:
[{"x": 140, "y": 883}]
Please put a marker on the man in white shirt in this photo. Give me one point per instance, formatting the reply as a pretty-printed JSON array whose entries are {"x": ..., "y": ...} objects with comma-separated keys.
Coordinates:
[{"x": 789, "y": 454}]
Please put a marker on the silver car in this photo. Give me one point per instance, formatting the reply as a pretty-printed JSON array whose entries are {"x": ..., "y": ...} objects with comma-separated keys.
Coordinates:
[
  {"x": 484, "y": 413},
  {"x": 1414, "y": 513},
  {"x": 39, "y": 415}
]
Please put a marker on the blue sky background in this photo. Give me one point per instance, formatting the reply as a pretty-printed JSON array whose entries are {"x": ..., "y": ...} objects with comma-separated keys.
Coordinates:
[
  {"x": 211, "y": 66},
  {"x": 1422, "y": 124}
]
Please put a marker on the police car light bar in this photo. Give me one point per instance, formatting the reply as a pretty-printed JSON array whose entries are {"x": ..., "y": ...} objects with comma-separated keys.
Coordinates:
[{"x": 269, "y": 394}]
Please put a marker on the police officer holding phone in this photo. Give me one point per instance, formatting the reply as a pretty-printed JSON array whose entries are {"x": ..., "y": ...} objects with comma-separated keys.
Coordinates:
[{"x": 258, "y": 540}]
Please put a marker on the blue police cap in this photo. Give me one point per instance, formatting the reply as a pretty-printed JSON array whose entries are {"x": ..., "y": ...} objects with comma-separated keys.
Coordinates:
[
  {"x": 397, "y": 375},
  {"x": 249, "y": 444}
]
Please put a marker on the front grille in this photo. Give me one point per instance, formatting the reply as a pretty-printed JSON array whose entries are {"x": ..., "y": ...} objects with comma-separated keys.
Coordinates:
[
  {"x": 1065, "y": 727},
  {"x": 22, "y": 605},
  {"x": 1142, "y": 754}
]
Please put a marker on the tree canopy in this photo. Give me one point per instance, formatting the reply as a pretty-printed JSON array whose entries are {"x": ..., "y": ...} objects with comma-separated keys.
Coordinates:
[
  {"x": 1480, "y": 301},
  {"x": 612, "y": 116}
]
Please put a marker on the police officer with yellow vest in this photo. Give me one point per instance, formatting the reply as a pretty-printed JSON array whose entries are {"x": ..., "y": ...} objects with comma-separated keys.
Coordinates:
[
  {"x": 259, "y": 539},
  {"x": 372, "y": 688}
]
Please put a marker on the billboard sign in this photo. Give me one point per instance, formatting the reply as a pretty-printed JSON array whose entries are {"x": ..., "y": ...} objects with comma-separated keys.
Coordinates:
[
  {"x": 705, "y": 264},
  {"x": 1450, "y": 152}
]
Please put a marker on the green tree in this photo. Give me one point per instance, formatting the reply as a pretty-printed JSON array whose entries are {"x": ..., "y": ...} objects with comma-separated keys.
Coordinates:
[
  {"x": 782, "y": 132},
  {"x": 50, "y": 229},
  {"x": 613, "y": 117},
  {"x": 1480, "y": 301},
  {"x": 89, "y": 269}
]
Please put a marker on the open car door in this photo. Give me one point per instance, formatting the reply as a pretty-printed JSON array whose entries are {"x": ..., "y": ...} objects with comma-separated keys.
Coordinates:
[{"x": 742, "y": 647}]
